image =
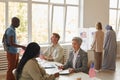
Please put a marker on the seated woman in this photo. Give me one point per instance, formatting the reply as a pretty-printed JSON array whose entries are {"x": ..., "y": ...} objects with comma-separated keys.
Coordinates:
[
  {"x": 28, "y": 67},
  {"x": 78, "y": 58}
]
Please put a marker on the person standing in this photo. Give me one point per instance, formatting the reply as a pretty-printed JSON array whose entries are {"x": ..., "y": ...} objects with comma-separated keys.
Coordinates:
[
  {"x": 110, "y": 49},
  {"x": 12, "y": 52},
  {"x": 97, "y": 46},
  {"x": 55, "y": 51}
]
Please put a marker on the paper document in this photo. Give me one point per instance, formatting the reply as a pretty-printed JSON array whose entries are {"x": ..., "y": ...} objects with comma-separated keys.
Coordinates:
[{"x": 64, "y": 72}]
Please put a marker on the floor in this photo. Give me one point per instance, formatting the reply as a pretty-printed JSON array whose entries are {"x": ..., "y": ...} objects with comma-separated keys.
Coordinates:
[
  {"x": 103, "y": 75},
  {"x": 110, "y": 75}
]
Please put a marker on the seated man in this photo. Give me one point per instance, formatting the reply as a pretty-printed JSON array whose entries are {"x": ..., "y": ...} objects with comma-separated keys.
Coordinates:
[
  {"x": 78, "y": 59},
  {"x": 55, "y": 51}
]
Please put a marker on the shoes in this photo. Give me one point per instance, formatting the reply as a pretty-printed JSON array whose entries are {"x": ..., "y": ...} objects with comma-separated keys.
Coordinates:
[{"x": 97, "y": 70}]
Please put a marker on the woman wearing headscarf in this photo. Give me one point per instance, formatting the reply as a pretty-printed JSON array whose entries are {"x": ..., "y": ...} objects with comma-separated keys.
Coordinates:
[{"x": 110, "y": 49}]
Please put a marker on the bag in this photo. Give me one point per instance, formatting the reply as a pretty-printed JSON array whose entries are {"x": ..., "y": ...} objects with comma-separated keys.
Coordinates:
[{"x": 4, "y": 41}]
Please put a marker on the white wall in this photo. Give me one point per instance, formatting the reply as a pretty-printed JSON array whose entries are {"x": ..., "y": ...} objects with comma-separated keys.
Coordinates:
[{"x": 94, "y": 11}]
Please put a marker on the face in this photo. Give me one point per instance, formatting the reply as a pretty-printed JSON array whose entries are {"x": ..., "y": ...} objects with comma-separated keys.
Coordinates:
[
  {"x": 16, "y": 22},
  {"x": 54, "y": 40},
  {"x": 75, "y": 45}
]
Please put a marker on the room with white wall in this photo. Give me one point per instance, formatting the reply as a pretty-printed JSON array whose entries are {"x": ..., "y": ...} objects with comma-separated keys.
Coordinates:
[{"x": 92, "y": 12}]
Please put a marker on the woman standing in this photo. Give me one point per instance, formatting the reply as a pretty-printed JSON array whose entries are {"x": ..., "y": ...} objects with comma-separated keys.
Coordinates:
[
  {"x": 97, "y": 46},
  {"x": 110, "y": 49}
]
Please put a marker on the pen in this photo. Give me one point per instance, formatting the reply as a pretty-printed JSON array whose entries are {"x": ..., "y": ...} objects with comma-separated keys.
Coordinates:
[
  {"x": 48, "y": 67},
  {"x": 56, "y": 65}
]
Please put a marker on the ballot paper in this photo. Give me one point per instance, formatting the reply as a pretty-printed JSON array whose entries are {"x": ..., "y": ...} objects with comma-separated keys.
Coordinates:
[{"x": 64, "y": 72}]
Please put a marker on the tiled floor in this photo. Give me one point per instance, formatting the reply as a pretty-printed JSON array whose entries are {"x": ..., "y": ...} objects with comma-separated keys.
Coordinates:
[{"x": 103, "y": 75}]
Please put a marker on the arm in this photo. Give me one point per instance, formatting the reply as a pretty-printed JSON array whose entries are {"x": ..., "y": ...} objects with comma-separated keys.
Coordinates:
[
  {"x": 11, "y": 36},
  {"x": 11, "y": 39},
  {"x": 37, "y": 72},
  {"x": 94, "y": 41},
  {"x": 59, "y": 55},
  {"x": 46, "y": 54},
  {"x": 106, "y": 39},
  {"x": 46, "y": 51},
  {"x": 83, "y": 62},
  {"x": 68, "y": 64}
]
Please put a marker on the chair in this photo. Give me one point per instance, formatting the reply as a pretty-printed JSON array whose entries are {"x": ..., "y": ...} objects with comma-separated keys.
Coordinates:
[{"x": 90, "y": 57}]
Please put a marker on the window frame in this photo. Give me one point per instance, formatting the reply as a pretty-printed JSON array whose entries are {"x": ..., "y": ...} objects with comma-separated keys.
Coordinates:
[{"x": 29, "y": 16}]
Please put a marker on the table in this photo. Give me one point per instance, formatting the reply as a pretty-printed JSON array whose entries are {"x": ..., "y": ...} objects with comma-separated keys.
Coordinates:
[
  {"x": 74, "y": 76},
  {"x": 51, "y": 68}
]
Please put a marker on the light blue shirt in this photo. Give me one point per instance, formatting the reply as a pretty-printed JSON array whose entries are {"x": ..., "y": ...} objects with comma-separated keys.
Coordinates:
[{"x": 11, "y": 32}]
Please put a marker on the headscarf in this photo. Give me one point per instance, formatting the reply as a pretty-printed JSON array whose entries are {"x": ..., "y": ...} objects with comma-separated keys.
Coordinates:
[
  {"x": 108, "y": 27},
  {"x": 111, "y": 27}
]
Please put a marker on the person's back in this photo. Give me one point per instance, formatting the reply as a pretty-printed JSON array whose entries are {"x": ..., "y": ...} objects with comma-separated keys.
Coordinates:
[
  {"x": 99, "y": 41},
  {"x": 11, "y": 32},
  {"x": 110, "y": 49},
  {"x": 28, "y": 67},
  {"x": 97, "y": 46},
  {"x": 111, "y": 38},
  {"x": 33, "y": 71}
]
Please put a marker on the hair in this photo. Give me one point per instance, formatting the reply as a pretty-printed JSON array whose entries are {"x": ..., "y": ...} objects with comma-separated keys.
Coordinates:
[
  {"x": 99, "y": 26},
  {"x": 78, "y": 39},
  {"x": 32, "y": 51},
  {"x": 56, "y": 35}
]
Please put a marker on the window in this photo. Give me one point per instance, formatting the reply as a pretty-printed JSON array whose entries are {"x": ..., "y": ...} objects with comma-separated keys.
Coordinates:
[
  {"x": 2, "y": 20},
  {"x": 40, "y": 18},
  {"x": 71, "y": 23},
  {"x": 20, "y": 10},
  {"x": 40, "y": 23},
  {"x": 58, "y": 20},
  {"x": 114, "y": 16}
]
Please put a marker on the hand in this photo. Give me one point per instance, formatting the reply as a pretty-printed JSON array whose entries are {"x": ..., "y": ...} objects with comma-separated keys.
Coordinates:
[
  {"x": 71, "y": 70},
  {"x": 23, "y": 47},
  {"x": 60, "y": 67},
  {"x": 56, "y": 74},
  {"x": 42, "y": 56}
]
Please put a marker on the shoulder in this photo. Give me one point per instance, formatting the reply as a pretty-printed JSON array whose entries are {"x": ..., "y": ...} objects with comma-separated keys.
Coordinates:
[
  {"x": 59, "y": 46},
  {"x": 82, "y": 52},
  {"x": 31, "y": 62},
  {"x": 71, "y": 53},
  {"x": 99, "y": 32},
  {"x": 10, "y": 30}
]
